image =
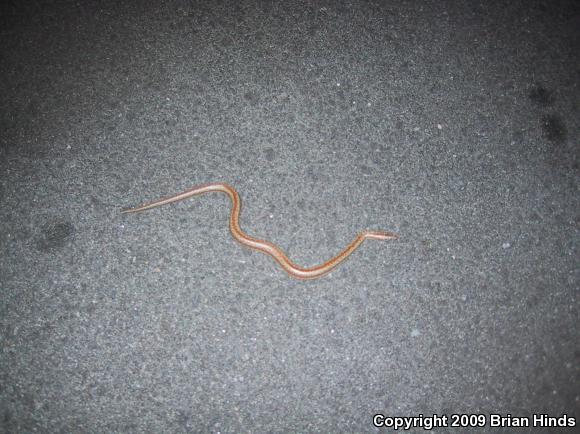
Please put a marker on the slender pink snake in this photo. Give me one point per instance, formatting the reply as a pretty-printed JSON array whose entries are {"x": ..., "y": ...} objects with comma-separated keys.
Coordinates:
[{"x": 265, "y": 246}]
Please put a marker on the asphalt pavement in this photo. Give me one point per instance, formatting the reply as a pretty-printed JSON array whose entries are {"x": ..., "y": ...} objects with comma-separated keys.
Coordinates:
[{"x": 454, "y": 124}]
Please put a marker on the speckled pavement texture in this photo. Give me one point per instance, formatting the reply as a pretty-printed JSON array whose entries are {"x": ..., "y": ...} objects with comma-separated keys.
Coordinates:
[{"x": 455, "y": 124}]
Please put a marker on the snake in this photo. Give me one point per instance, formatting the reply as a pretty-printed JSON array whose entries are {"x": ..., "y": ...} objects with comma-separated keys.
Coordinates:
[{"x": 261, "y": 245}]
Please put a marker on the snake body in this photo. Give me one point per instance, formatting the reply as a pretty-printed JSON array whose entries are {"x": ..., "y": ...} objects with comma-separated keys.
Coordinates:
[{"x": 265, "y": 246}]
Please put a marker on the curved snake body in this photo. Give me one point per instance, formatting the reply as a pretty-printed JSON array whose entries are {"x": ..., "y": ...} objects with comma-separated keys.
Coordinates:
[{"x": 265, "y": 246}]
